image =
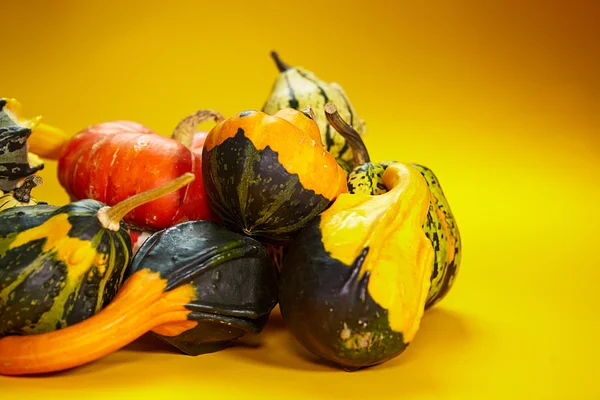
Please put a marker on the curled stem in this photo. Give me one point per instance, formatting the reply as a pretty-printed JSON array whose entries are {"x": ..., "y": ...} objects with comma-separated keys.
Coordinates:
[
  {"x": 359, "y": 149},
  {"x": 184, "y": 131}
]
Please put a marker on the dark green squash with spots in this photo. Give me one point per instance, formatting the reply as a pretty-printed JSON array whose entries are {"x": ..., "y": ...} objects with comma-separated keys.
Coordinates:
[
  {"x": 353, "y": 289},
  {"x": 232, "y": 277},
  {"x": 61, "y": 265},
  {"x": 268, "y": 175}
]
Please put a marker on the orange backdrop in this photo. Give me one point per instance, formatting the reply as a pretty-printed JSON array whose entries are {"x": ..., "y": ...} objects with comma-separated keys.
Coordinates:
[{"x": 501, "y": 99}]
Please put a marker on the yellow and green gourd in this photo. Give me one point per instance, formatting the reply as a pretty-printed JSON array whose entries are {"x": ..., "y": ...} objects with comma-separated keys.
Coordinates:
[
  {"x": 297, "y": 88},
  {"x": 356, "y": 281},
  {"x": 61, "y": 265},
  {"x": 196, "y": 285},
  {"x": 440, "y": 227}
]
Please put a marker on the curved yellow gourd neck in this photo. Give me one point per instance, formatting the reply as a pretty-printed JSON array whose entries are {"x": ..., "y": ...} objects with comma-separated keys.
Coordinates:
[{"x": 400, "y": 256}]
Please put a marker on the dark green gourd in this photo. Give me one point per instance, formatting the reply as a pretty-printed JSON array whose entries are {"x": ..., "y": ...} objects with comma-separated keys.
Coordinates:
[{"x": 233, "y": 279}]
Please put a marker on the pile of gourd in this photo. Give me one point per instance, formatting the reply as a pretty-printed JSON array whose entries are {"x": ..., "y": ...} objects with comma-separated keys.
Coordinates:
[{"x": 196, "y": 237}]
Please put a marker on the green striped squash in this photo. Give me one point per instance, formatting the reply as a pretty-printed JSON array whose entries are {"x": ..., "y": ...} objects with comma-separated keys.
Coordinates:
[
  {"x": 58, "y": 266},
  {"x": 297, "y": 88},
  {"x": 61, "y": 265}
]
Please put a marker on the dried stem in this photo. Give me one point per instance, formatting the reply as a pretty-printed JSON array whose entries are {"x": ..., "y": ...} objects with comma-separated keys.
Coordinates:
[
  {"x": 361, "y": 155},
  {"x": 110, "y": 217},
  {"x": 23, "y": 193},
  {"x": 310, "y": 112},
  {"x": 281, "y": 66},
  {"x": 184, "y": 132}
]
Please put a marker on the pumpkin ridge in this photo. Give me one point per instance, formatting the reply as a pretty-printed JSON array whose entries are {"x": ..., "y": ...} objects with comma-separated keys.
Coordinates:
[
  {"x": 287, "y": 140},
  {"x": 193, "y": 266},
  {"x": 214, "y": 257},
  {"x": 285, "y": 196},
  {"x": 251, "y": 156},
  {"x": 445, "y": 236},
  {"x": 225, "y": 311},
  {"x": 245, "y": 324}
]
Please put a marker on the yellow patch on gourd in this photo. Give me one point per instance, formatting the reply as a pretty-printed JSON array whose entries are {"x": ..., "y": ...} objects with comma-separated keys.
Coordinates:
[
  {"x": 297, "y": 150},
  {"x": 77, "y": 254},
  {"x": 400, "y": 257}
]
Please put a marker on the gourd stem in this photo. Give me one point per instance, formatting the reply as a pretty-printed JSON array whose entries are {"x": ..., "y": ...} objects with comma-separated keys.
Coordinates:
[
  {"x": 359, "y": 149},
  {"x": 140, "y": 306},
  {"x": 308, "y": 110},
  {"x": 281, "y": 66},
  {"x": 23, "y": 193},
  {"x": 184, "y": 131},
  {"x": 110, "y": 217}
]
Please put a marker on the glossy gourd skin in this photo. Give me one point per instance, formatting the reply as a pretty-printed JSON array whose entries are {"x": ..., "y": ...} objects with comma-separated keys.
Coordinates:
[
  {"x": 440, "y": 227},
  {"x": 114, "y": 160},
  {"x": 297, "y": 87},
  {"x": 355, "y": 282},
  {"x": 60, "y": 262},
  {"x": 232, "y": 276},
  {"x": 267, "y": 175}
]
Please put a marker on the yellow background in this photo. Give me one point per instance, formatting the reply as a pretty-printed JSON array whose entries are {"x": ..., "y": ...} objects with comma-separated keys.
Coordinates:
[{"x": 499, "y": 98}]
